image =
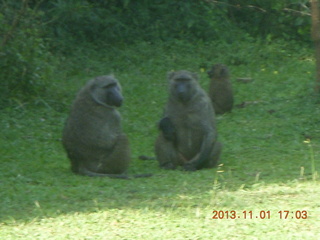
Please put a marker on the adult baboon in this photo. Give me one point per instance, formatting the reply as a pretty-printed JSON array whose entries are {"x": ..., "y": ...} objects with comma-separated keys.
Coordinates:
[
  {"x": 92, "y": 136},
  {"x": 188, "y": 135},
  {"x": 220, "y": 90}
]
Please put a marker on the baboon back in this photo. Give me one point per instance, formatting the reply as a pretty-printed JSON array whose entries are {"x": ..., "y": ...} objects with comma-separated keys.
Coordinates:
[
  {"x": 220, "y": 89},
  {"x": 92, "y": 136}
]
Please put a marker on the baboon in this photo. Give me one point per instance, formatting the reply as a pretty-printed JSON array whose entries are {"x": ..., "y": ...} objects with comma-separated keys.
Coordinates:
[
  {"x": 220, "y": 90},
  {"x": 168, "y": 130},
  {"x": 188, "y": 135},
  {"x": 93, "y": 136}
]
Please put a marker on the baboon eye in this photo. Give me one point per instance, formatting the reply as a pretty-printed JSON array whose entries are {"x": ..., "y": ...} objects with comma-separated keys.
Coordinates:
[
  {"x": 182, "y": 79},
  {"x": 110, "y": 85}
]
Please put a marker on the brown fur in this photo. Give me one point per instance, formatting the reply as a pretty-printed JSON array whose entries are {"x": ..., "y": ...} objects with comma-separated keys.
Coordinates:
[
  {"x": 92, "y": 136},
  {"x": 220, "y": 89},
  {"x": 188, "y": 135}
]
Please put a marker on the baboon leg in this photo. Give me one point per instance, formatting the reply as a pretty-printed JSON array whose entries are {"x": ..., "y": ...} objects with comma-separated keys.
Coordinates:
[
  {"x": 75, "y": 165},
  {"x": 110, "y": 164},
  {"x": 217, "y": 108},
  {"x": 209, "y": 159},
  {"x": 117, "y": 163},
  {"x": 214, "y": 156},
  {"x": 119, "y": 159},
  {"x": 166, "y": 154}
]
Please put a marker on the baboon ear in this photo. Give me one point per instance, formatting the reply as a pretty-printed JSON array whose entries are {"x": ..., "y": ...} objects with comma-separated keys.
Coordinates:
[
  {"x": 96, "y": 96},
  {"x": 92, "y": 91}
]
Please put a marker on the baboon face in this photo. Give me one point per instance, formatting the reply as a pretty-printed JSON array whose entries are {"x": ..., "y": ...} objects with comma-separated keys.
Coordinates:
[
  {"x": 183, "y": 85},
  {"x": 106, "y": 90},
  {"x": 218, "y": 71}
]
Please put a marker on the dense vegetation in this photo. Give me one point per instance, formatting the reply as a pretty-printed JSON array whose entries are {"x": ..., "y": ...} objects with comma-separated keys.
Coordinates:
[
  {"x": 37, "y": 35},
  {"x": 270, "y": 160}
]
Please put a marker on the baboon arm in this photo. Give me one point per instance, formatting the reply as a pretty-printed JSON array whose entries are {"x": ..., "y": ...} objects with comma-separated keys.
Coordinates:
[{"x": 202, "y": 157}]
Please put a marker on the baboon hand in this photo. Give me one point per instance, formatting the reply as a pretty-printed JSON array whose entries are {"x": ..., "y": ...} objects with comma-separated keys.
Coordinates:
[{"x": 189, "y": 167}]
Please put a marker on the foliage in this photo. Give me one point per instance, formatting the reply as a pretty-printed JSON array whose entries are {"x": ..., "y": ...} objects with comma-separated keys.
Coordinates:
[
  {"x": 285, "y": 19},
  {"x": 131, "y": 21},
  {"x": 38, "y": 34},
  {"x": 128, "y": 21},
  {"x": 25, "y": 61}
]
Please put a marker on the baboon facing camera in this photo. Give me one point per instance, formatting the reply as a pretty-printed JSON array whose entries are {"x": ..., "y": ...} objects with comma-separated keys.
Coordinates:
[
  {"x": 93, "y": 136},
  {"x": 188, "y": 135},
  {"x": 220, "y": 89}
]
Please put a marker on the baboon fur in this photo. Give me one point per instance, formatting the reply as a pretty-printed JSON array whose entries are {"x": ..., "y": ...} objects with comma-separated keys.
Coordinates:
[
  {"x": 220, "y": 89},
  {"x": 188, "y": 135},
  {"x": 92, "y": 136}
]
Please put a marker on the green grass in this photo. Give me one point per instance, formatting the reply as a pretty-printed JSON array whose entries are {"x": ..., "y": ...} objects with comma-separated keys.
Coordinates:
[{"x": 266, "y": 163}]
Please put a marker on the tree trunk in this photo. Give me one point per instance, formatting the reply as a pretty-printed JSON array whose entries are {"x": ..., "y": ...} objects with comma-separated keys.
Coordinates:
[{"x": 315, "y": 31}]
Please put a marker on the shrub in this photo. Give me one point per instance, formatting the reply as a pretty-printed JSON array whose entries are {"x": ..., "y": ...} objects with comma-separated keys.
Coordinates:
[{"x": 25, "y": 61}]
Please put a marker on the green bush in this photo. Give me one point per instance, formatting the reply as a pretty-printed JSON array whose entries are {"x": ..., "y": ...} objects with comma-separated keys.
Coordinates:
[
  {"x": 25, "y": 61},
  {"x": 286, "y": 19},
  {"x": 34, "y": 33},
  {"x": 115, "y": 22},
  {"x": 128, "y": 21}
]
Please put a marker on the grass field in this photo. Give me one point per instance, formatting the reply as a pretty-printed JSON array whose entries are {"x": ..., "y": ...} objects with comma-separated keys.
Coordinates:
[{"x": 270, "y": 161}]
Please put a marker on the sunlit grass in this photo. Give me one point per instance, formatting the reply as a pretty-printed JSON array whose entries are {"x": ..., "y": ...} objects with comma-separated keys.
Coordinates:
[{"x": 154, "y": 219}]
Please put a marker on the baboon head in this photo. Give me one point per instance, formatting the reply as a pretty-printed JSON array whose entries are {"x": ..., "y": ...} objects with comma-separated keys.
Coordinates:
[
  {"x": 106, "y": 91},
  {"x": 218, "y": 71},
  {"x": 183, "y": 85}
]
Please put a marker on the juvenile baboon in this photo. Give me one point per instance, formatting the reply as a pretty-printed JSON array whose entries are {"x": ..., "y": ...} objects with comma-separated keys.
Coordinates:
[
  {"x": 188, "y": 135},
  {"x": 220, "y": 90},
  {"x": 92, "y": 136},
  {"x": 168, "y": 130}
]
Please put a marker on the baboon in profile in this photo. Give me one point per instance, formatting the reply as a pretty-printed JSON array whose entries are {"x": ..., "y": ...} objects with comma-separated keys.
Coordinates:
[
  {"x": 220, "y": 90},
  {"x": 92, "y": 136},
  {"x": 188, "y": 135}
]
